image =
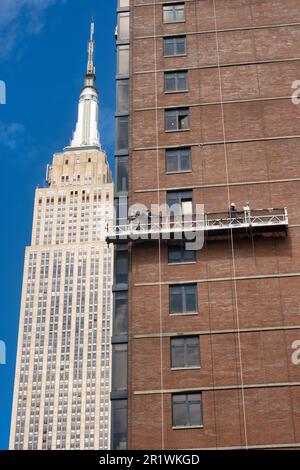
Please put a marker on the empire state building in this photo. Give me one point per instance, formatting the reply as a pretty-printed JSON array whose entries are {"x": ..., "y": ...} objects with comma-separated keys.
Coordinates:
[{"x": 62, "y": 382}]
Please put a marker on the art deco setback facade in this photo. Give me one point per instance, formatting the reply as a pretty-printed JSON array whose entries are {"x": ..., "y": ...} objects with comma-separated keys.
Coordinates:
[
  {"x": 62, "y": 382},
  {"x": 211, "y": 334}
]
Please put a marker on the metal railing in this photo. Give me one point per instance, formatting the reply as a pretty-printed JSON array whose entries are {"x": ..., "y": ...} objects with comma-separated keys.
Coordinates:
[{"x": 144, "y": 227}]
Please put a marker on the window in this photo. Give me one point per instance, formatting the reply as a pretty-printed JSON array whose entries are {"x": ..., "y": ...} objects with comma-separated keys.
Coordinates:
[
  {"x": 177, "y": 119},
  {"x": 123, "y": 3},
  {"x": 119, "y": 367},
  {"x": 120, "y": 314},
  {"x": 123, "y": 60},
  {"x": 187, "y": 410},
  {"x": 178, "y": 160},
  {"x": 178, "y": 254},
  {"x": 183, "y": 298},
  {"x": 122, "y": 134},
  {"x": 185, "y": 352},
  {"x": 122, "y": 174},
  {"x": 176, "y": 81},
  {"x": 119, "y": 424},
  {"x": 181, "y": 202},
  {"x": 173, "y": 12},
  {"x": 122, "y": 96},
  {"x": 121, "y": 267},
  {"x": 175, "y": 45},
  {"x": 123, "y": 30}
]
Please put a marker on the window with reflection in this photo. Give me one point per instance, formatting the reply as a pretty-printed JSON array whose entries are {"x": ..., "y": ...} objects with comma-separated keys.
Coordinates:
[
  {"x": 187, "y": 410},
  {"x": 173, "y": 12},
  {"x": 122, "y": 96},
  {"x": 122, "y": 134},
  {"x": 120, "y": 326},
  {"x": 119, "y": 424},
  {"x": 185, "y": 352},
  {"x": 123, "y": 60},
  {"x": 123, "y": 30},
  {"x": 175, "y": 45},
  {"x": 119, "y": 367},
  {"x": 183, "y": 298}
]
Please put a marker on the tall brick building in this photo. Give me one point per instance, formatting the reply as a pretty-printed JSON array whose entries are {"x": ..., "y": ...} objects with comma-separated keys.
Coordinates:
[{"x": 211, "y": 335}]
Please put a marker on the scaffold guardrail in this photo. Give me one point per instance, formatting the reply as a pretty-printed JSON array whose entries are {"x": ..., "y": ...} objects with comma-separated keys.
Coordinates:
[{"x": 144, "y": 227}]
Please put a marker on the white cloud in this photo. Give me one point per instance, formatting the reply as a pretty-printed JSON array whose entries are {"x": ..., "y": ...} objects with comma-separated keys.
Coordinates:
[
  {"x": 19, "y": 18},
  {"x": 11, "y": 135}
]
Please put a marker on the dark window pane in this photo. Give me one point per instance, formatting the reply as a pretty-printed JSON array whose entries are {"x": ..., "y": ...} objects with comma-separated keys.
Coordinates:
[
  {"x": 187, "y": 410},
  {"x": 192, "y": 352},
  {"x": 175, "y": 45},
  {"x": 177, "y": 347},
  {"x": 183, "y": 119},
  {"x": 176, "y": 81},
  {"x": 188, "y": 256},
  {"x": 182, "y": 81},
  {"x": 120, "y": 324},
  {"x": 179, "y": 417},
  {"x": 177, "y": 119},
  {"x": 170, "y": 81},
  {"x": 190, "y": 295},
  {"x": 122, "y": 134},
  {"x": 171, "y": 120},
  {"x": 178, "y": 160},
  {"x": 119, "y": 424},
  {"x": 169, "y": 47},
  {"x": 178, "y": 254},
  {"x": 121, "y": 267},
  {"x": 185, "y": 160},
  {"x": 183, "y": 298},
  {"x": 174, "y": 255},
  {"x": 178, "y": 201},
  {"x": 122, "y": 174},
  {"x": 176, "y": 197},
  {"x": 119, "y": 367},
  {"x": 122, "y": 96},
  {"x": 176, "y": 299},
  {"x": 185, "y": 352},
  {"x": 180, "y": 45},
  {"x": 195, "y": 409},
  {"x": 172, "y": 161},
  {"x": 195, "y": 415}
]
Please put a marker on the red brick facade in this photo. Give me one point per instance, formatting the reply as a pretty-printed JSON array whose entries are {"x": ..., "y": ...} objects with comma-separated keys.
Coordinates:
[{"x": 248, "y": 293}]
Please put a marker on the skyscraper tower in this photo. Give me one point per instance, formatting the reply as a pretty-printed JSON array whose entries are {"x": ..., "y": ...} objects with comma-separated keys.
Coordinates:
[{"x": 62, "y": 382}]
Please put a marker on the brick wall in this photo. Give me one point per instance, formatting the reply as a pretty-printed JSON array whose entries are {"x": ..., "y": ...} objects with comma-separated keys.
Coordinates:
[{"x": 255, "y": 404}]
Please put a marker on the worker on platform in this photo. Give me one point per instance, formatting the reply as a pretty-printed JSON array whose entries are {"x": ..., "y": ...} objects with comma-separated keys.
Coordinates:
[
  {"x": 232, "y": 211},
  {"x": 247, "y": 212}
]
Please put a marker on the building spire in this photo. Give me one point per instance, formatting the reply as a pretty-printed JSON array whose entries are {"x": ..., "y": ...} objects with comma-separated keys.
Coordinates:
[
  {"x": 87, "y": 133},
  {"x": 91, "y": 71}
]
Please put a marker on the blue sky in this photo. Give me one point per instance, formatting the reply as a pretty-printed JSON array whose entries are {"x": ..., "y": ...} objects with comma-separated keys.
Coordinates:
[{"x": 43, "y": 53}]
